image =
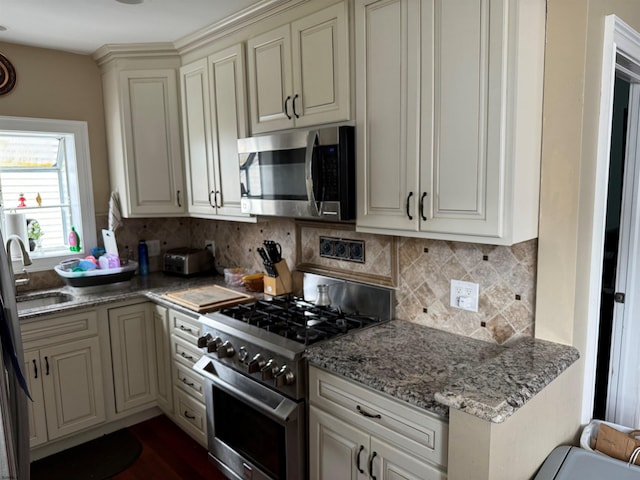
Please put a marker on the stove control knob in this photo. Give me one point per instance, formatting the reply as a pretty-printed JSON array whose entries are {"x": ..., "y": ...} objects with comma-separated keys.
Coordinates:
[
  {"x": 242, "y": 354},
  {"x": 256, "y": 363},
  {"x": 270, "y": 370},
  {"x": 202, "y": 341},
  {"x": 226, "y": 350},
  {"x": 213, "y": 344},
  {"x": 285, "y": 376}
]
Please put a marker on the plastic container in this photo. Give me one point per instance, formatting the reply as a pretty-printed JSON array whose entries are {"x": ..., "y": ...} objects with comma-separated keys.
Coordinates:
[
  {"x": 590, "y": 433},
  {"x": 143, "y": 258},
  {"x": 233, "y": 276},
  {"x": 97, "y": 276}
]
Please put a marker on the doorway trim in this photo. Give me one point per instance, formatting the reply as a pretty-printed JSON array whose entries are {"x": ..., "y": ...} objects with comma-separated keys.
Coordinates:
[{"x": 621, "y": 42}]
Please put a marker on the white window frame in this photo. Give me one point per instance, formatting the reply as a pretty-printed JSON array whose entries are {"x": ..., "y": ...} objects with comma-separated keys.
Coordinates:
[{"x": 81, "y": 181}]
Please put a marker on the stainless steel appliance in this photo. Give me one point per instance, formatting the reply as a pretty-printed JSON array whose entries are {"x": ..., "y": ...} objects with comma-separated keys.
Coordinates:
[
  {"x": 187, "y": 261},
  {"x": 14, "y": 420},
  {"x": 256, "y": 373},
  {"x": 307, "y": 174}
]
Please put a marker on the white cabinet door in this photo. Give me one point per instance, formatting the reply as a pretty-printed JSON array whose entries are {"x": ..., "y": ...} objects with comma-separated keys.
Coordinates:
[
  {"x": 72, "y": 386},
  {"x": 37, "y": 417},
  {"x": 270, "y": 80},
  {"x": 336, "y": 449},
  {"x": 213, "y": 112},
  {"x": 196, "y": 121},
  {"x": 163, "y": 358},
  {"x": 153, "y": 182},
  {"x": 320, "y": 50},
  {"x": 390, "y": 463},
  {"x": 133, "y": 356},
  {"x": 388, "y": 113},
  {"x": 229, "y": 123},
  {"x": 299, "y": 72}
]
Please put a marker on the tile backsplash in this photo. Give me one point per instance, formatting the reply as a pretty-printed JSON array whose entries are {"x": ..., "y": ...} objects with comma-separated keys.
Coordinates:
[{"x": 419, "y": 270}]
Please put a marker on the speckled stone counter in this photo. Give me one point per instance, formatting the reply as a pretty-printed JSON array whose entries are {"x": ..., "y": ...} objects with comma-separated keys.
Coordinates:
[
  {"x": 151, "y": 287},
  {"x": 435, "y": 370}
]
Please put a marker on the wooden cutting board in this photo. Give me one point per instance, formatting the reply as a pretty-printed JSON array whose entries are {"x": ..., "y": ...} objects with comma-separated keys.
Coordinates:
[{"x": 207, "y": 299}]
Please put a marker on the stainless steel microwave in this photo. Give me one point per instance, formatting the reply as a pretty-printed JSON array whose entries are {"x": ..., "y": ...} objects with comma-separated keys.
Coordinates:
[{"x": 300, "y": 174}]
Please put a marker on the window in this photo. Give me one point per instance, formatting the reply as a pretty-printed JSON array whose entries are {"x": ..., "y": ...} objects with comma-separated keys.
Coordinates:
[{"x": 45, "y": 186}]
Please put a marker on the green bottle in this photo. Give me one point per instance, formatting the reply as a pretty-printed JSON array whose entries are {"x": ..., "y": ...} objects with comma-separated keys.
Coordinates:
[{"x": 74, "y": 240}]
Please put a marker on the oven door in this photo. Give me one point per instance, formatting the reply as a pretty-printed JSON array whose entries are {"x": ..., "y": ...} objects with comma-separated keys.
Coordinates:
[{"x": 254, "y": 433}]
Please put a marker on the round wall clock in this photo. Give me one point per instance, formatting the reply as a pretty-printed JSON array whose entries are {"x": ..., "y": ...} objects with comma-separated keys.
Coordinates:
[{"x": 7, "y": 75}]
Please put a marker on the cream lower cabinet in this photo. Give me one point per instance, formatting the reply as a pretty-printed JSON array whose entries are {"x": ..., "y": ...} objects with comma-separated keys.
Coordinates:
[
  {"x": 299, "y": 72},
  {"x": 355, "y": 433},
  {"x": 449, "y": 114},
  {"x": 64, "y": 373},
  {"x": 141, "y": 101},
  {"x": 188, "y": 386},
  {"x": 213, "y": 99},
  {"x": 133, "y": 353},
  {"x": 163, "y": 358}
]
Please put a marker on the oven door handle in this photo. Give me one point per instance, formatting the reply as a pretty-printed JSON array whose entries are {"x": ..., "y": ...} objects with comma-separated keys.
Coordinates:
[{"x": 284, "y": 412}]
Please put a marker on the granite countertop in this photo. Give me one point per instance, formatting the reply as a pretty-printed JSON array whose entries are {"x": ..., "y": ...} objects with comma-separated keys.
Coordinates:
[
  {"x": 151, "y": 287},
  {"x": 435, "y": 370}
]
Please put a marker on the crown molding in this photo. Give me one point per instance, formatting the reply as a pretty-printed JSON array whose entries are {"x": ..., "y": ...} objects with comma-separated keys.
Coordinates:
[{"x": 111, "y": 52}]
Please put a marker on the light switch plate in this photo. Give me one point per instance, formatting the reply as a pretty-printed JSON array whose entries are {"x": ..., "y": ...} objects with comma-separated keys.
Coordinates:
[{"x": 464, "y": 295}]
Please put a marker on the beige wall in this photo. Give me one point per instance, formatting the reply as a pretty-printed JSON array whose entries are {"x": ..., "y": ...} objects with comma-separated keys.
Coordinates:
[{"x": 59, "y": 85}]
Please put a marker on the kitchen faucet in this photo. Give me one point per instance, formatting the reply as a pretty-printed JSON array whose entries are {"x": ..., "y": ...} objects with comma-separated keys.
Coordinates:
[{"x": 26, "y": 260}]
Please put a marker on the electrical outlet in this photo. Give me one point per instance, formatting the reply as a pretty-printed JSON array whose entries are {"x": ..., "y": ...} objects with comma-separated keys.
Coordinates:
[
  {"x": 464, "y": 295},
  {"x": 153, "y": 247},
  {"x": 211, "y": 246}
]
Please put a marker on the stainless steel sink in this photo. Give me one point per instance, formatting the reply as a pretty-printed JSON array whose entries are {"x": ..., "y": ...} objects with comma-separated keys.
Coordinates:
[{"x": 29, "y": 302}]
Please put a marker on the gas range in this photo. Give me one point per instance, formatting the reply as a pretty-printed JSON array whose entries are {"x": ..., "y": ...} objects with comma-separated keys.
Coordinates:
[{"x": 255, "y": 371}]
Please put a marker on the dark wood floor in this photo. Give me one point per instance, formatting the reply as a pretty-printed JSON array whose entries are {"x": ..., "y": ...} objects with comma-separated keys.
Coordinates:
[{"x": 168, "y": 454}]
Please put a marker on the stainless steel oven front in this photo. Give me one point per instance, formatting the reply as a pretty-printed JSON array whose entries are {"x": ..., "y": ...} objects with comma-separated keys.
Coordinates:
[{"x": 254, "y": 432}]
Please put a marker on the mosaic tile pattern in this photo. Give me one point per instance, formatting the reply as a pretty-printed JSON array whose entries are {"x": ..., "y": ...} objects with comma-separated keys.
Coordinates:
[
  {"x": 424, "y": 268},
  {"x": 507, "y": 287}
]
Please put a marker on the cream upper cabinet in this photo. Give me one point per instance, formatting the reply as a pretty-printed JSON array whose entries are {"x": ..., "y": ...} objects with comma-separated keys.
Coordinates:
[
  {"x": 213, "y": 118},
  {"x": 299, "y": 72},
  {"x": 449, "y": 101},
  {"x": 143, "y": 133}
]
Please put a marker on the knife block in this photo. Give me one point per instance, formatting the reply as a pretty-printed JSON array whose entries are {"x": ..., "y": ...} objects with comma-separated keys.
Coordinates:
[{"x": 282, "y": 283}]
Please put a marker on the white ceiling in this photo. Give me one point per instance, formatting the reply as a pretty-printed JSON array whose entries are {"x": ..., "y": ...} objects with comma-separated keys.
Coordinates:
[{"x": 83, "y": 26}]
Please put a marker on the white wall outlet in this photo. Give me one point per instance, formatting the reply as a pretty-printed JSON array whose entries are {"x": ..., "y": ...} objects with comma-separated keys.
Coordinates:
[
  {"x": 211, "y": 246},
  {"x": 464, "y": 295},
  {"x": 153, "y": 247}
]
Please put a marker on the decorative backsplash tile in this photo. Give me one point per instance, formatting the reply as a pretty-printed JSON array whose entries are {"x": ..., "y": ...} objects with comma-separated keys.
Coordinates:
[{"x": 419, "y": 270}]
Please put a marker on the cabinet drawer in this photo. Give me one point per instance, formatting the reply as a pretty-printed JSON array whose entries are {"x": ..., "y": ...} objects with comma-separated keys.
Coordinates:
[
  {"x": 184, "y": 352},
  {"x": 50, "y": 330},
  {"x": 189, "y": 381},
  {"x": 191, "y": 416},
  {"x": 413, "y": 429},
  {"x": 185, "y": 326}
]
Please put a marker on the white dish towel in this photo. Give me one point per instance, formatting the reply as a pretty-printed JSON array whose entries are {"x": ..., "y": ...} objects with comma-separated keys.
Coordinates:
[{"x": 115, "y": 216}]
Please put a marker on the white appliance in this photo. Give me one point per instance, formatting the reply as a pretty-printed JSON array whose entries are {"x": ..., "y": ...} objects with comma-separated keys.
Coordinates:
[
  {"x": 14, "y": 420},
  {"x": 569, "y": 463}
]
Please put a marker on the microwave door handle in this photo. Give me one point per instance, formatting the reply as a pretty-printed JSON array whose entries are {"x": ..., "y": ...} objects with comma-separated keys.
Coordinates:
[{"x": 311, "y": 141}]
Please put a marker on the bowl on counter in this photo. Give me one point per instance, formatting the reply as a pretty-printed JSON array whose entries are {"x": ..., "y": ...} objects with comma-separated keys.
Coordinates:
[
  {"x": 233, "y": 276},
  {"x": 97, "y": 276}
]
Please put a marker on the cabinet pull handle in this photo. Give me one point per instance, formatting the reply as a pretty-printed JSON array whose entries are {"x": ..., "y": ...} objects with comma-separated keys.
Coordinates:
[
  {"x": 186, "y": 414},
  {"x": 210, "y": 202},
  {"x": 188, "y": 330},
  {"x": 424, "y": 194},
  {"x": 218, "y": 205},
  {"x": 294, "y": 105},
  {"x": 184, "y": 355},
  {"x": 190, "y": 384},
  {"x": 364, "y": 413},
  {"x": 178, "y": 198},
  {"x": 358, "y": 459},
  {"x": 286, "y": 107},
  {"x": 371, "y": 475},
  {"x": 35, "y": 368},
  {"x": 46, "y": 362},
  {"x": 408, "y": 198}
]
